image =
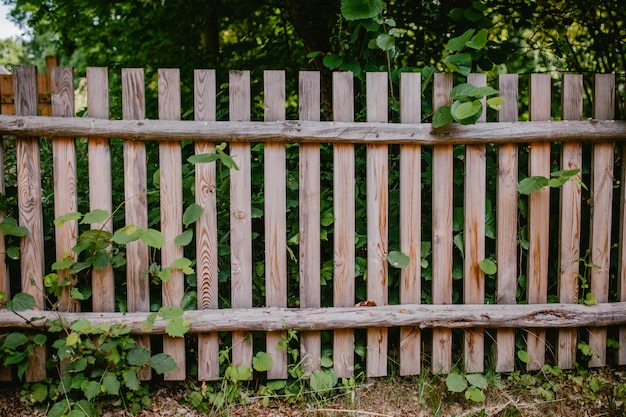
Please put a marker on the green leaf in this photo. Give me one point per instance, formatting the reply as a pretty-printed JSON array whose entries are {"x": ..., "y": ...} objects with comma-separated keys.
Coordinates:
[
  {"x": 531, "y": 184},
  {"x": 61, "y": 220},
  {"x": 184, "y": 265},
  {"x": 10, "y": 228},
  {"x": 39, "y": 392},
  {"x": 326, "y": 362},
  {"x": 170, "y": 312},
  {"x": 465, "y": 110},
  {"x": 262, "y": 362},
  {"x": 442, "y": 117},
  {"x": 203, "y": 158},
  {"x": 192, "y": 214},
  {"x": 63, "y": 264},
  {"x": 13, "y": 252},
  {"x": 91, "y": 389},
  {"x": 14, "y": 340},
  {"x": 162, "y": 363},
  {"x": 523, "y": 356},
  {"x": 81, "y": 326},
  {"x": 228, "y": 161},
  {"x": 461, "y": 63},
  {"x": 72, "y": 339},
  {"x": 58, "y": 409},
  {"x": 475, "y": 394},
  {"x": 126, "y": 234},
  {"x": 238, "y": 373},
  {"x": 21, "y": 302},
  {"x": 96, "y": 216},
  {"x": 322, "y": 381},
  {"x": 458, "y": 43},
  {"x": 138, "y": 356},
  {"x": 110, "y": 384},
  {"x": 488, "y": 266},
  {"x": 456, "y": 382},
  {"x": 398, "y": 259},
  {"x": 177, "y": 327},
  {"x": 590, "y": 299},
  {"x": 130, "y": 379},
  {"x": 184, "y": 238},
  {"x": 477, "y": 380},
  {"x": 332, "y": 61},
  {"x": 385, "y": 41},
  {"x": 495, "y": 102},
  {"x": 361, "y": 9},
  {"x": 165, "y": 274},
  {"x": 479, "y": 40},
  {"x": 152, "y": 238}
]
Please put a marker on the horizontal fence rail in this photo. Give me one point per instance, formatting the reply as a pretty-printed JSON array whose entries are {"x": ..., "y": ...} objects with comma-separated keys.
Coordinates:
[{"x": 410, "y": 242}]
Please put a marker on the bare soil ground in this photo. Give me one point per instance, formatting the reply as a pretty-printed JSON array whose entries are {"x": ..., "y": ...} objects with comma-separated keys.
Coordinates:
[{"x": 570, "y": 395}]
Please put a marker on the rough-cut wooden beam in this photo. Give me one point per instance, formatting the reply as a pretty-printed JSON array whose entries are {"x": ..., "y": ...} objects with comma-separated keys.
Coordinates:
[
  {"x": 315, "y": 132},
  {"x": 417, "y": 315}
]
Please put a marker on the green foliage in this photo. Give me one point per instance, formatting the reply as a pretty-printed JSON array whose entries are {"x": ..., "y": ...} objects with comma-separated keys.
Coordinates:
[{"x": 473, "y": 385}]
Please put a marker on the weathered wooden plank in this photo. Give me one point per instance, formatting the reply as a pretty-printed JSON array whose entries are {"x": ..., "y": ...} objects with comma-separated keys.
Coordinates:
[
  {"x": 171, "y": 192},
  {"x": 5, "y": 371},
  {"x": 601, "y": 211},
  {"x": 570, "y": 219},
  {"x": 136, "y": 206},
  {"x": 474, "y": 238},
  {"x": 458, "y": 316},
  {"x": 442, "y": 162},
  {"x": 275, "y": 219},
  {"x": 410, "y": 221},
  {"x": 506, "y": 223},
  {"x": 206, "y": 226},
  {"x": 240, "y": 216},
  {"x": 621, "y": 268},
  {"x": 29, "y": 207},
  {"x": 315, "y": 132},
  {"x": 309, "y": 214},
  {"x": 6, "y": 94},
  {"x": 377, "y": 179},
  {"x": 538, "y": 218},
  {"x": 344, "y": 226},
  {"x": 100, "y": 188}
]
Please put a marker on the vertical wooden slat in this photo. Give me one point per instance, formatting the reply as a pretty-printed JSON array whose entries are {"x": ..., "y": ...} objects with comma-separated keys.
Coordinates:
[
  {"x": 136, "y": 206},
  {"x": 506, "y": 223},
  {"x": 5, "y": 81},
  {"x": 343, "y": 237},
  {"x": 100, "y": 189},
  {"x": 601, "y": 211},
  {"x": 569, "y": 227},
  {"x": 171, "y": 191},
  {"x": 474, "y": 238},
  {"x": 64, "y": 172},
  {"x": 29, "y": 207},
  {"x": 538, "y": 219},
  {"x": 206, "y": 226},
  {"x": 240, "y": 216},
  {"x": 6, "y": 94},
  {"x": 275, "y": 219},
  {"x": 309, "y": 213},
  {"x": 377, "y": 222},
  {"x": 410, "y": 221},
  {"x": 621, "y": 268},
  {"x": 442, "y": 162}
]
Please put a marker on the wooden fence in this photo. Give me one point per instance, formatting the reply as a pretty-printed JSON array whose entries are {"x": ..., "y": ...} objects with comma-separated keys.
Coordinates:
[{"x": 452, "y": 314}]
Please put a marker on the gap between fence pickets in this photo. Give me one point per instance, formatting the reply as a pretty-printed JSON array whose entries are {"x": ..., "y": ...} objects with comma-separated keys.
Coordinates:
[
  {"x": 301, "y": 131},
  {"x": 418, "y": 315}
]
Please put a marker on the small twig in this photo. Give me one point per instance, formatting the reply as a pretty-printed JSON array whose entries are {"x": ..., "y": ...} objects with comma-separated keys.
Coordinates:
[{"x": 355, "y": 412}]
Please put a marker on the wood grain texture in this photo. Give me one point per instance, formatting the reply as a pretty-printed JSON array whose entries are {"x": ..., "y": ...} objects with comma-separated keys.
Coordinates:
[
  {"x": 601, "y": 211},
  {"x": 442, "y": 161},
  {"x": 5, "y": 371},
  {"x": 171, "y": 192},
  {"x": 100, "y": 183},
  {"x": 206, "y": 226},
  {"x": 275, "y": 219},
  {"x": 538, "y": 219},
  {"x": 136, "y": 206},
  {"x": 410, "y": 221},
  {"x": 309, "y": 213},
  {"x": 506, "y": 223},
  {"x": 377, "y": 179},
  {"x": 28, "y": 162},
  {"x": 474, "y": 238},
  {"x": 240, "y": 216},
  {"x": 570, "y": 219},
  {"x": 344, "y": 226}
]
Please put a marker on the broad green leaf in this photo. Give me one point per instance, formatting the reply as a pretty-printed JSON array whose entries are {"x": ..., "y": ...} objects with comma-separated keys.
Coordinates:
[
  {"x": 361, "y": 9},
  {"x": 465, "y": 110},
  {"x": 184, "y": 265},
  {"x": 458, "y": 242},
  {"x": 96, "y": 216},
  {"x": 456, "y": 382},
  {"x": 184, "y": 238},
  {"x": 442, "y": 117},
  {"x": 458, "y": 43},
  {"x": 479, "y": 40},
  {"x": 72, "y": 339},
  {"x": 398, "y": 259},
  {"x": 228, "y": 161},
  {"x": 327, "y": 218},
  {"x": 63, "y": 264},
  {"x": 14, "y": 340},
  {"x": 238, "y": 373},
  {"x": 100, "y": 259},
  {"x": 531, "y": 184},
  {"x": 81, "y": 326},
  {"x": 110, "y": 384},
  {"x": 203, "y": 158},
  {"x": 170, "y": 312},
  {"x": 162, "y": 363},
  {"x": 10, "y": 227},
  {"x": 16, "y": 358},
  {"x": 332, "y": 61},
  {"x": 488, "y": 266},
  {"x": 262, "y": 362},
  {"x": 130, "y": 379},
  {"x": 590, "y": 299},
  {"x": 13, "y": 252},
  {"x": 152, "y": 238},
  {"x": 385, "y": 41},
  {"x": 321, "y": 381},
  {"x": 523, "y": 356},
  {"x": 475, "y": 394},
  {"x": 91, "y": 389},
  {"x": 477, "y": 380},
  {"x": 177, "y": 327},
  {"x": 126, "y": 234},
  {"x": 21, "y": 302},
  {"x": 192, "y": 214},
  {"x": 462, "y": 91},
  {"x": 495, "y": 102},
  {"x": 165, "y": 274},
  {"x": 39, "y": 392},
  {"x": 480, "y": 92},
  {"x": 58, "y": 409},
  {"x": 326, "y": 362},
  {"x": 138, "y": 356},
  {"x": 61, "y": 220},
  {"x": 461, "y": 63}
]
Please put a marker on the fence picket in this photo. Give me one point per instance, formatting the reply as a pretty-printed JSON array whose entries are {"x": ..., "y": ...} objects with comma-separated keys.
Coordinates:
[
  {"x": 410, "y": 221},
  {"x": 136, "y": 204},
  {"x": 240, "y": 216},
  {"x": 506, "y": 223},
  {"x": 275, "y": 219},
  {"x": 206, "y": 226},
  {"x": 5, "y": 282},
  {"x": 344, "y": 230},
  {"x": 474, "y": 238},
  {"x": 570, "y": 224},
  {"x": 538, "y": 218},
  {"x": 30, "y": 212},
  {"x": 309, "y": 213},
  {"x": 601, "y": 211},
  {"x": 442, "y": 230}
]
